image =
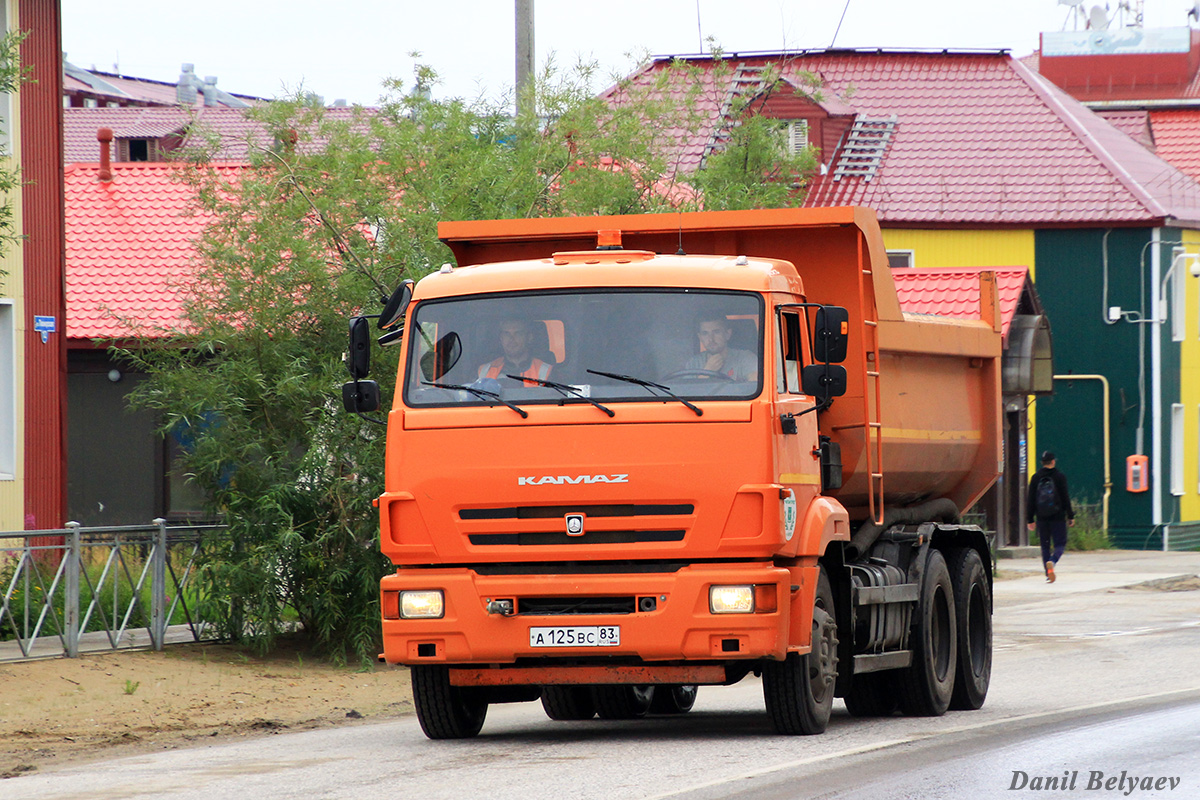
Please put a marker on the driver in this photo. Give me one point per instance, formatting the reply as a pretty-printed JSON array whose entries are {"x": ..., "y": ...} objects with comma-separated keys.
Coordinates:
[
  {"x": 515, "y": 340},
  {"x": 716, "y": 355}
]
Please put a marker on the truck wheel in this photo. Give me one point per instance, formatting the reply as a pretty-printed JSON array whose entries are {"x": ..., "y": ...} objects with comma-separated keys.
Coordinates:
[
  {"x": 674, "y": 699},
  {"x": 568, "y": 702},
  {"x": 872, "y": 694},
  {"x": 445, "y": 711},
  {"x": 799, "y": 691},
  {"x": 973, "y": 610},
  {"x": 926, "y": 686},
  {"x": 623, "y": 702}
]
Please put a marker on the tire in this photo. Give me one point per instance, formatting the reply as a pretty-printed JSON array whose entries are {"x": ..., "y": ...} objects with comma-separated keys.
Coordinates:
[
  {"x": 799, "y": 691},
  {"x": 973, "y": 612},
  {"x": 445, "y": 711},
  {"x": 926, "y": 686},
  {"x": 568, "y": 702},
  {"x": 673, "y": 699},
  {"x": 623, "y": 702},
  {"x": 872, "y": 694}
]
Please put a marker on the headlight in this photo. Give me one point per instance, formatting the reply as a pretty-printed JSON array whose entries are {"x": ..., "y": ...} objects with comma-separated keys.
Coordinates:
[
  {"x": 731, "y": 599},
  {"x": 422, "y": 605}
]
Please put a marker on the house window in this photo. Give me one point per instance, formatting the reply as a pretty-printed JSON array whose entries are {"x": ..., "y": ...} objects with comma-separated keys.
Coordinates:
[
  {"x": 8, "y": 392},
  {"x": 1178, "y": 301},
  {"x": 797, "y": 136},
  {"x": 137, "y": 150},
  {"x": 1177, "y": 449},
  {"x": 898, "y": 259}
]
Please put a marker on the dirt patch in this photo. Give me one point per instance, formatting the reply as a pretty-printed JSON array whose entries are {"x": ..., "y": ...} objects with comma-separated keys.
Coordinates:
[
  {"x": 62, "y": 710},
  {"x": 1178, "y": 583}
]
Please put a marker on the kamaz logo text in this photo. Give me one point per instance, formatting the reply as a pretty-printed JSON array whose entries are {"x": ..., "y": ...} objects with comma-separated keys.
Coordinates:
[{"x": 559, "y": 480}]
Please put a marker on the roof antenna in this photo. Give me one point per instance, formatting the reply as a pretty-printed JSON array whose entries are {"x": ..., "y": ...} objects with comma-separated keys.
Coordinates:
[{"x": 680, "y": 252}]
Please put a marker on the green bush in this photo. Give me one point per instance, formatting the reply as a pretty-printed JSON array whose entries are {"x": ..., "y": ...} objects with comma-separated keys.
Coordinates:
[{"x": 1088, "y": 532}]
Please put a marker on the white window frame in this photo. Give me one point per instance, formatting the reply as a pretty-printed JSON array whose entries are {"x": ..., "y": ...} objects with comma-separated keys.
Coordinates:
[
  {"x": 1177, "y": 441},
  {"x": 909, "y": 255},
  {"x": 797, "y": 136},
  {"x": 8, "y": 390}
]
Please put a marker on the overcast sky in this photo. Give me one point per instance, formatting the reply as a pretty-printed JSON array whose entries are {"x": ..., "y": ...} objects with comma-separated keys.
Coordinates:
[{"x": 345, "y": 49}]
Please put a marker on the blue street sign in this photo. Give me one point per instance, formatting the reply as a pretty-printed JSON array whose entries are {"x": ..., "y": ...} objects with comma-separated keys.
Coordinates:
[{"x": 45, "y": 326}]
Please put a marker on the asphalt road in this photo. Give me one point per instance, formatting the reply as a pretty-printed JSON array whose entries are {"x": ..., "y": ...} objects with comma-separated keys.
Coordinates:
[{"x": 1088, "y": 678}]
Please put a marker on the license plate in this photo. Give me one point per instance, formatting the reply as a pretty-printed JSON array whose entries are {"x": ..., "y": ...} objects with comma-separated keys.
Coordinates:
[{"x": 576, "y": 636}]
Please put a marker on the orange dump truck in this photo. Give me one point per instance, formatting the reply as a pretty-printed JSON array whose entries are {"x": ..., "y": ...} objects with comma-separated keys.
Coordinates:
[{"x": 630, "y": 456}]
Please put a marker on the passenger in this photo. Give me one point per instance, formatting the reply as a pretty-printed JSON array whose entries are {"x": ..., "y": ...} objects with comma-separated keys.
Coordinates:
[
  {"x": 714, "y": 333},
  {"x": 515, "y": 339}
]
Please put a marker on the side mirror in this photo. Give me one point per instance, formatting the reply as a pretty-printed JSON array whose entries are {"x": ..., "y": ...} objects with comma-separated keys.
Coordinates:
[
  {"x": 396, "y": 305},
  {"x": 445, "y": 354},
  {"x": 360, "y": 397},
  {"x": 823, "y": 381},
  {"x": 830, "y": 334},
  {"x": 358, "y": 360}
]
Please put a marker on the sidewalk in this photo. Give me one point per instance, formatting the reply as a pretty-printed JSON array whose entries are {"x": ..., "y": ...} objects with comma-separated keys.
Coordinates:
[{"x": 1021, "y": 579}]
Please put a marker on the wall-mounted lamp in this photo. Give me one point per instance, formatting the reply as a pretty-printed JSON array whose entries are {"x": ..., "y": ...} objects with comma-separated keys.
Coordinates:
[{"x": 114, "y": 375}]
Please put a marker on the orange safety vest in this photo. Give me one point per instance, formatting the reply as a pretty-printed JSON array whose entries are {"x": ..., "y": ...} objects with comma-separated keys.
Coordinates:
[{"x": 537, "y": 369}]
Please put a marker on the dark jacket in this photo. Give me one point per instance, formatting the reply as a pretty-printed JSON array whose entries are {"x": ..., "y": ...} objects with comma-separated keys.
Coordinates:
[{"x": 1064, "y": 497}]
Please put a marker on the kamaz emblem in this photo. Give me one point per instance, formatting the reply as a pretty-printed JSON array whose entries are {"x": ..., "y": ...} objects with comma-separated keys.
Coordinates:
[{"x": 559, "y": 480}]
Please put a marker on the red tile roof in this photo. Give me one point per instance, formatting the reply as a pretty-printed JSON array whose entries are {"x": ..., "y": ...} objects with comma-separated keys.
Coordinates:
[
  {"x": 1134, "y": 123},
  {"x": 954, "y": 291},
  {"x": 235, "y": 132},
  {"x": 979, "y": 139},
  {"x": 1177, "y": 138},
  {"x": 129, "y": 247}
]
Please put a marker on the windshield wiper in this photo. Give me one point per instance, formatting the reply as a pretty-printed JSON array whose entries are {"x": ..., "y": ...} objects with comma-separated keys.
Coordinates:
[
  {"x": 562, "y": 389},
  {"x": 478, "y": 393},
  {"x": 649, "y": 385}
]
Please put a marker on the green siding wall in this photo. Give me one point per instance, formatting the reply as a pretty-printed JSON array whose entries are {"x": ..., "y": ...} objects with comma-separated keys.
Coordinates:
[{"x": 1070, "y": 284}]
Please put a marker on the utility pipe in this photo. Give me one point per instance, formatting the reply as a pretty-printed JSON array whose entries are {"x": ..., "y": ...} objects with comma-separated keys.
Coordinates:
[{"x": 1107, "y": 466}]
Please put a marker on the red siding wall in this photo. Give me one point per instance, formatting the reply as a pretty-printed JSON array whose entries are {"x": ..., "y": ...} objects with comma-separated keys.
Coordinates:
[{"x": 44, "y": 264}]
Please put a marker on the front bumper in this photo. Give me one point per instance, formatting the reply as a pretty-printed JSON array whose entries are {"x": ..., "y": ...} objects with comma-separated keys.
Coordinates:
[{"x": 679, "y": 628}]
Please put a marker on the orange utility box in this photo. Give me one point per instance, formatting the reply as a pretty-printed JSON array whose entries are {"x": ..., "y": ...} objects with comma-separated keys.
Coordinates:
[{"x": 630, "y": 456}]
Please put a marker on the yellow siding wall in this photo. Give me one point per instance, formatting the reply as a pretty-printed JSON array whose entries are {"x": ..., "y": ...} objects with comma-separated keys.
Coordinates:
[
  {"x": 963, "y": 248},
  {"x": 12, "y": 492},
  {"x": 1189, "y": 390}
]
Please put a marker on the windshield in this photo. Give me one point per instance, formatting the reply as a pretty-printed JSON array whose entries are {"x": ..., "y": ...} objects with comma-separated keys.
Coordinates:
[{"x": 585, "y": 347}]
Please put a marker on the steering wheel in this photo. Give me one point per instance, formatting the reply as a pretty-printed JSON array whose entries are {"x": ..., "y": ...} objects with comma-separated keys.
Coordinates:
[{"x": 698, "y": 373}]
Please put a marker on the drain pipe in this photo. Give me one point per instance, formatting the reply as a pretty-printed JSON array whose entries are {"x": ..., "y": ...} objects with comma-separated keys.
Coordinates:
[{"x": 1107, "y": 465}]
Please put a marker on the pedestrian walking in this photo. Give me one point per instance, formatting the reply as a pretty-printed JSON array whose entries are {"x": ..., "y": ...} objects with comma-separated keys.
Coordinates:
[{"x": 1050, "y": 512}]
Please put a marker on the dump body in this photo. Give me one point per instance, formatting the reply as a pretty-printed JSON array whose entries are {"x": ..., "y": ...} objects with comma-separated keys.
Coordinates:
[{"x": 618, "y": 513}]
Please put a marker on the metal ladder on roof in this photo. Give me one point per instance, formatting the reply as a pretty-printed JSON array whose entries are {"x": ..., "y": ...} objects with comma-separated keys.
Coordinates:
[
  {"x": 872, "y": 398},
  {"x": 746, "y": 82},
  {"x": 866, "y": 142}
]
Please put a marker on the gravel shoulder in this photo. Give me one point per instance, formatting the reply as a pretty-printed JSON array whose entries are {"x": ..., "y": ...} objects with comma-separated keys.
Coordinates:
[{"x": 61, "y": 711}]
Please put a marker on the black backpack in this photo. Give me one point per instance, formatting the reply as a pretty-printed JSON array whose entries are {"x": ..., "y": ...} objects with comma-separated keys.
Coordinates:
[{"x": 1046, "y": 500}]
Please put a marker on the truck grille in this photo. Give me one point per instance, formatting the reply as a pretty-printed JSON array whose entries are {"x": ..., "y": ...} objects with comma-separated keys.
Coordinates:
[
  {"x": 556, "y": 512},
  {"x": 591, "y": 537}
]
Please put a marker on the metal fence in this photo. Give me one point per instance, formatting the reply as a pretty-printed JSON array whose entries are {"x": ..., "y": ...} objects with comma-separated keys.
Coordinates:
[{"x": 98, "y": 588}]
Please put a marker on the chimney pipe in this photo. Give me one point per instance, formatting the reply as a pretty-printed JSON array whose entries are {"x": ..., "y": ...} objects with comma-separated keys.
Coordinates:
[
  {"x": 210, "y": 90},
  {"x": 105, "y": 137},
  {"x": 185, "y": 90}
]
